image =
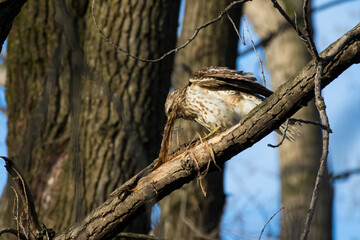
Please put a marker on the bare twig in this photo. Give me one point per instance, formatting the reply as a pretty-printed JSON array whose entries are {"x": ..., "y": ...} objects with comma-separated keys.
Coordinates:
[
  {"x": 308, "y": 33},
  {"x": 295, "y": 20},
  {"x": 252, "y": 42},
  {"x": 263, "y": 229},
  {"x": 312, "y": 122},
  {"x": 288, "y": 19},
  {"x": 265, "y": 40},
  {"x": 320, "y": 104},
  {"x": 344, "y": 175},
  {"x": 236, "y": 30},
  {"x": 166, "y": 140},
  {"x": 203, "y": 174},
  {"x": 199, "y": 177},
  {"x": 175, "y": 50},
  {"x": 307, "y": 37},
  {"x": 16, "y": 210},
  {"x": 26, "y": 232},
  {"x": 212, "y": 154},
  {"x": 283, "y": 136},
  {"x": 199, "y": 136}
]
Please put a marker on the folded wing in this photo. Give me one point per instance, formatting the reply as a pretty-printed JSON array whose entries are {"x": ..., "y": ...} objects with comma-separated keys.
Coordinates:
[{"x": 220, "y": 78}]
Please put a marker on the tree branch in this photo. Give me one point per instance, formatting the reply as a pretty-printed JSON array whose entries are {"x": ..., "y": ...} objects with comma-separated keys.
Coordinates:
[
  {"x": 321, "y": 107},
  {"x": 14, "y": 232},
  {"x": 288, "y": 19},
  {"x": 9, "y": 9},
  {"x": 150, "y": 186},
  {"x": 263, "y": 229},
  {"x": 25, "y": 194},
  {"x": 344, "y": 175}
]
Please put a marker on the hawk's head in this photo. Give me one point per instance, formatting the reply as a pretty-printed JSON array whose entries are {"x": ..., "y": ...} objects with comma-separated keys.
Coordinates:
[{"x": 170, "y": 102}]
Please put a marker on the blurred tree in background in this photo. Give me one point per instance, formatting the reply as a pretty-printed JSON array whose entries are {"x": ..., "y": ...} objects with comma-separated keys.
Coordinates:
[
  {"x": 285, "y": 55},
  {"x": 75, "y": 102}
]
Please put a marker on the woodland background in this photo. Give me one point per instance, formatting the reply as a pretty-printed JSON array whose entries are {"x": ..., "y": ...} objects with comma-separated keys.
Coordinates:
[{"x": 252, "y": 183}]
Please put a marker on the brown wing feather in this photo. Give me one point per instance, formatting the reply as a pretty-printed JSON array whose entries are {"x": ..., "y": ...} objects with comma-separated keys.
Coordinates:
[{"x": 220, "y": 78}]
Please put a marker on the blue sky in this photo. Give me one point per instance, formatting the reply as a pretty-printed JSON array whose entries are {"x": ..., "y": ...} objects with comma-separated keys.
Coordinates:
[{"x": 252, "y": 178}]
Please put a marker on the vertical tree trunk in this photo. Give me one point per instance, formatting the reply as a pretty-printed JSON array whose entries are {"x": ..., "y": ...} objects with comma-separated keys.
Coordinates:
[
  {"x": 187, "y": 214},
  {"x": 76, "y": 98},
  {"x": 299, "y": 161}
]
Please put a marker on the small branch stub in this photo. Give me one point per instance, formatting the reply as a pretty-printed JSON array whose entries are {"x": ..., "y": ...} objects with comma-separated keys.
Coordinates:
[{"x": 23, "y": 190}]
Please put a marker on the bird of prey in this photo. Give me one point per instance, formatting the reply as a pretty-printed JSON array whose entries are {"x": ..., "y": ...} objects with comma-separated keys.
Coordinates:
[
  {"x": 216, "y": 97},
  {"x": 219, "y": 97}
]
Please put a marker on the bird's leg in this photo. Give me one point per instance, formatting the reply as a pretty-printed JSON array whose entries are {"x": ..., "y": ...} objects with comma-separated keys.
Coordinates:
[{"x": 211, "y": 133}]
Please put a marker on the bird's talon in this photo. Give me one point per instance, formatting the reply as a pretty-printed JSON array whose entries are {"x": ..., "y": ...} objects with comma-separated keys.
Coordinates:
[{"x": 211, "y": 133}]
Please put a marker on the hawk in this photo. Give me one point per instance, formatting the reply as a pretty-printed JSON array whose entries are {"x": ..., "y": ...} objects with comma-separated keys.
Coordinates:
[{"x": 218, "y": 97}]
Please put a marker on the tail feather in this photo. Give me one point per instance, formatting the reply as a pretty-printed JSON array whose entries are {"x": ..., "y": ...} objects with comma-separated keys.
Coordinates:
[{"x": 291, "y": 132}]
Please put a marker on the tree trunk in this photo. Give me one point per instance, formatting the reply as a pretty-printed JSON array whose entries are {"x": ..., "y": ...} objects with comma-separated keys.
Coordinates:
[
  {"x": 299, "y": 161},
  {"x": 187, "y": 214},
  {"x": 81, "y": 110}
]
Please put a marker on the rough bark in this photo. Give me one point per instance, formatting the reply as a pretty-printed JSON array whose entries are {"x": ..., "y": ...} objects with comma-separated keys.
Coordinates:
[
  {"x": 187, "y": 214},
  {"x": 285, "y": 55},
  {"x": 150, "y": 186},
  {"x": 72, "y": 97}
]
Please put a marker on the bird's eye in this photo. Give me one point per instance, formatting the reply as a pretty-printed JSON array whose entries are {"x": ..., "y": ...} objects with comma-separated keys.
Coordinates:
[{"x": 170, "y": 110}]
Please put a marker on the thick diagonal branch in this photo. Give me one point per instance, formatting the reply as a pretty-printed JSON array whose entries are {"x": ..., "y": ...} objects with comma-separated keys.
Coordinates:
[{"x": 148, "y": 187}]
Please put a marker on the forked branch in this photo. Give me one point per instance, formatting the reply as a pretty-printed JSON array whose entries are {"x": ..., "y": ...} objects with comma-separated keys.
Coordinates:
[
  {"x": 25, "y": 195},
  {"x": 35, "y": 228}
]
